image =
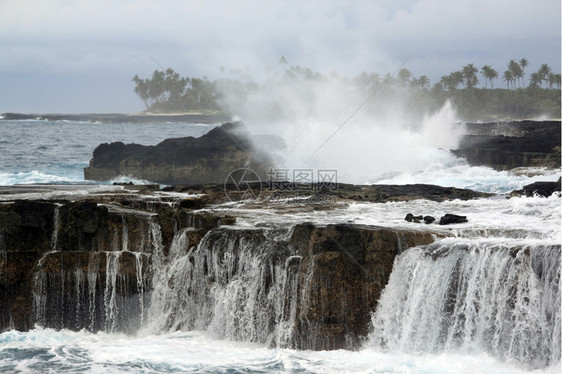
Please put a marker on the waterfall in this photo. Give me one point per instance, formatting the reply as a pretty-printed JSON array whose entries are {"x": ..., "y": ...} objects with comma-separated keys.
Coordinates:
[
  {"x": 3, "y": 258},
  {"x": 140, "y": 284},
  {"x": 124, "y": 235},
  {"x": 56, "y": 227},
  {"x": 93, "y": 270},
  {"x": 502, "y": 298},
  {"x": 110, "y": 293},
  {"x": 237, "y": 284},
  {"x": 98, "y": 290}
]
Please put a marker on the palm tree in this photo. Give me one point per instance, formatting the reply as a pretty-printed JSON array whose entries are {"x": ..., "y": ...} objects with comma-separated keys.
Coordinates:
[
  {"x": 543, "y": 72},
  {"x": 453, "y": 80},
  {"x": 508, "y": 78},
  {"x": 423, "y": 81},
  {"x": 515, "y": 70},
  {"x": 551, "y": 80},
  {"x": 404, "y": 77},
  {"x": 523, "y": 63},
  {"x": 535, "y": 80},
  {"x": 141, "y": 90},
  {"x": 470, "y": 78},
  {"x": 388, "y": 79},
  {"x": 489, "y": 74}
]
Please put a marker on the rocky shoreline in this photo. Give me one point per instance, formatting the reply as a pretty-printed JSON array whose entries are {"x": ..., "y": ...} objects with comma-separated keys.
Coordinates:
[
  {"x": 91, "y": 257},
  {"x": 62, "y": 251},
  {"x": 509, "y": 145},
  {"x": 65, "y": 251},
  {"x": 211, "y": 157}
]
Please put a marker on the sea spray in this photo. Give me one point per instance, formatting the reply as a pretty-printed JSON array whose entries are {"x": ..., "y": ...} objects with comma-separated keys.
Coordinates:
[{"x": 469, "y": 297}]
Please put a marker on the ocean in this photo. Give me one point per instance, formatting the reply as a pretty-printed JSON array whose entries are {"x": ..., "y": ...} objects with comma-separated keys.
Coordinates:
[
  {"x": 42, "y": 151},
  {"x": 481, "y": 336}
]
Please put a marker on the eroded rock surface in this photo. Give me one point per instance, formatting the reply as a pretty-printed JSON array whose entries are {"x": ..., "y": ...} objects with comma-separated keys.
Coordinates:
[{"x": 121, "y": 262}]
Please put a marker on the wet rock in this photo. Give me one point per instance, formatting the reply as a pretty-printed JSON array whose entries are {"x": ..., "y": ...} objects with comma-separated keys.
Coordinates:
[
  {"x": 62, "y": 254},
  {"x": 542, "y": 189},
  {"x": 207, "y": 159},
  {"x": 411, "y": 218},
  {"x": 448, "y": 219},
  {"x": 346, "y": 266},
  {"x": 504, "y": 146},
  {"x": 90, "y": 264},
  {"x": 428, "y": 219},
  {"x": 382, "y": 193}
]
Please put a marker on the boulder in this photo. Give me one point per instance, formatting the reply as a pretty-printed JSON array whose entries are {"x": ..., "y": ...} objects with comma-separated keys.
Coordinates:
[
  {"x": 542, "y": 189},
  {"x": 428, "y": 219},
  {"x": 448, "y": 219},
  {"x": 411, "y": 218},
  {"x": 207, "y": 159}
]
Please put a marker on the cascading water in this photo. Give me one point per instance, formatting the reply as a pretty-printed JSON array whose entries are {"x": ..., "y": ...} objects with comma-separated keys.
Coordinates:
[
  {"x": 96, "y": 290},
  {"x": 56, "y": 228},
  {"x": 236, "y": 285},
  {"x": 500, "y": 297}
]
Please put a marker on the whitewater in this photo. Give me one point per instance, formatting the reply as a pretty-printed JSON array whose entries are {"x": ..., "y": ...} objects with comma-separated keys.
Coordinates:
[{"x": 466, "y": 277}]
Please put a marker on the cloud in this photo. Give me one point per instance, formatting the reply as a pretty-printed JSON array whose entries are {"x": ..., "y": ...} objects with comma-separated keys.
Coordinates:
[{"x": 198, "y": 37}]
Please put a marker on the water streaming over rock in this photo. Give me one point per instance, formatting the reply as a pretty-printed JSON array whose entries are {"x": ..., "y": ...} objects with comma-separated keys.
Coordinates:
[
  {"x": 501, "y": 297},
  {"x": 307, "y": 286},
  {"x": 237, "y": 284},
  {"x": 100, "y": 289}
]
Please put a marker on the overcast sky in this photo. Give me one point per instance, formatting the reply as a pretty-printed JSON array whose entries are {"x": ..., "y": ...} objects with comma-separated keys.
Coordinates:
[{"x": 80, "y": 56}]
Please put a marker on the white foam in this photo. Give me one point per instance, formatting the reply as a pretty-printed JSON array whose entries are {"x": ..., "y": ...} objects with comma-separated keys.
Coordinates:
[{"x": 194, "y": 351}]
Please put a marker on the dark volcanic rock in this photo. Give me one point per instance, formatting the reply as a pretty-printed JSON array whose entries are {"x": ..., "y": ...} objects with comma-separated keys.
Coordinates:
[
  {"x": 505, "y": 146},
  {"x": 91, "y": 264},
  {"x": 544, "y": 189},
  {"x": 57, "y": 254},
  {"x": 347, "y": 267},
  {"x": 428, "y": 219},
  {"x": 381, "y": 193},
  {"x": 207, "y": 159},
  {"x": 411, "y": 218},
  {"x": 448, "y": 219}
]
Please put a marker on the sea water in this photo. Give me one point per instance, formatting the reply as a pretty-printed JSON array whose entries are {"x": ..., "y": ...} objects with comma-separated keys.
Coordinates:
[
  {"x": 41, "y": 151},
  {"x": 56, "y": 152}
]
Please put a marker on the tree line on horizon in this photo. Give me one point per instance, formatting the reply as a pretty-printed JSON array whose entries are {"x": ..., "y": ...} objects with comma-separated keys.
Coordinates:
[{"x": 167, "y": 91}]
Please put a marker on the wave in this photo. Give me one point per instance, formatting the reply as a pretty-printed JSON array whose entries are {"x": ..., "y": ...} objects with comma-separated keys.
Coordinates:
[
  {"x": 458, "y": 173},
  {"x": 68, "y": 351},
  {"x": 38, "y": 177},
  {"x": 33, "y": 177}
]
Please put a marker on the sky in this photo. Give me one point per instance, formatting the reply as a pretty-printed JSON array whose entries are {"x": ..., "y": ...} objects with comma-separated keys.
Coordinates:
[{"x": 80, "y": 56}]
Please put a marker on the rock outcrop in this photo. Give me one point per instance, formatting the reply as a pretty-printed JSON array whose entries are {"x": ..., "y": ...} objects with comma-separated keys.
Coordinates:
[
  {"x": 504, "y": 146},
  {"x": 120, "y": 262},
  {"x": 59, "y": 259},
  {"x": 207, "y": 159},
  {"x": 343, "y": 271},
  {"x": 542, "y": 189}
]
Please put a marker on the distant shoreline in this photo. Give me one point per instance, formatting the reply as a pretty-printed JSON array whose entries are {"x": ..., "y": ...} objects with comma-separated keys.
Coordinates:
[{"x": 190, "y": 117}]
